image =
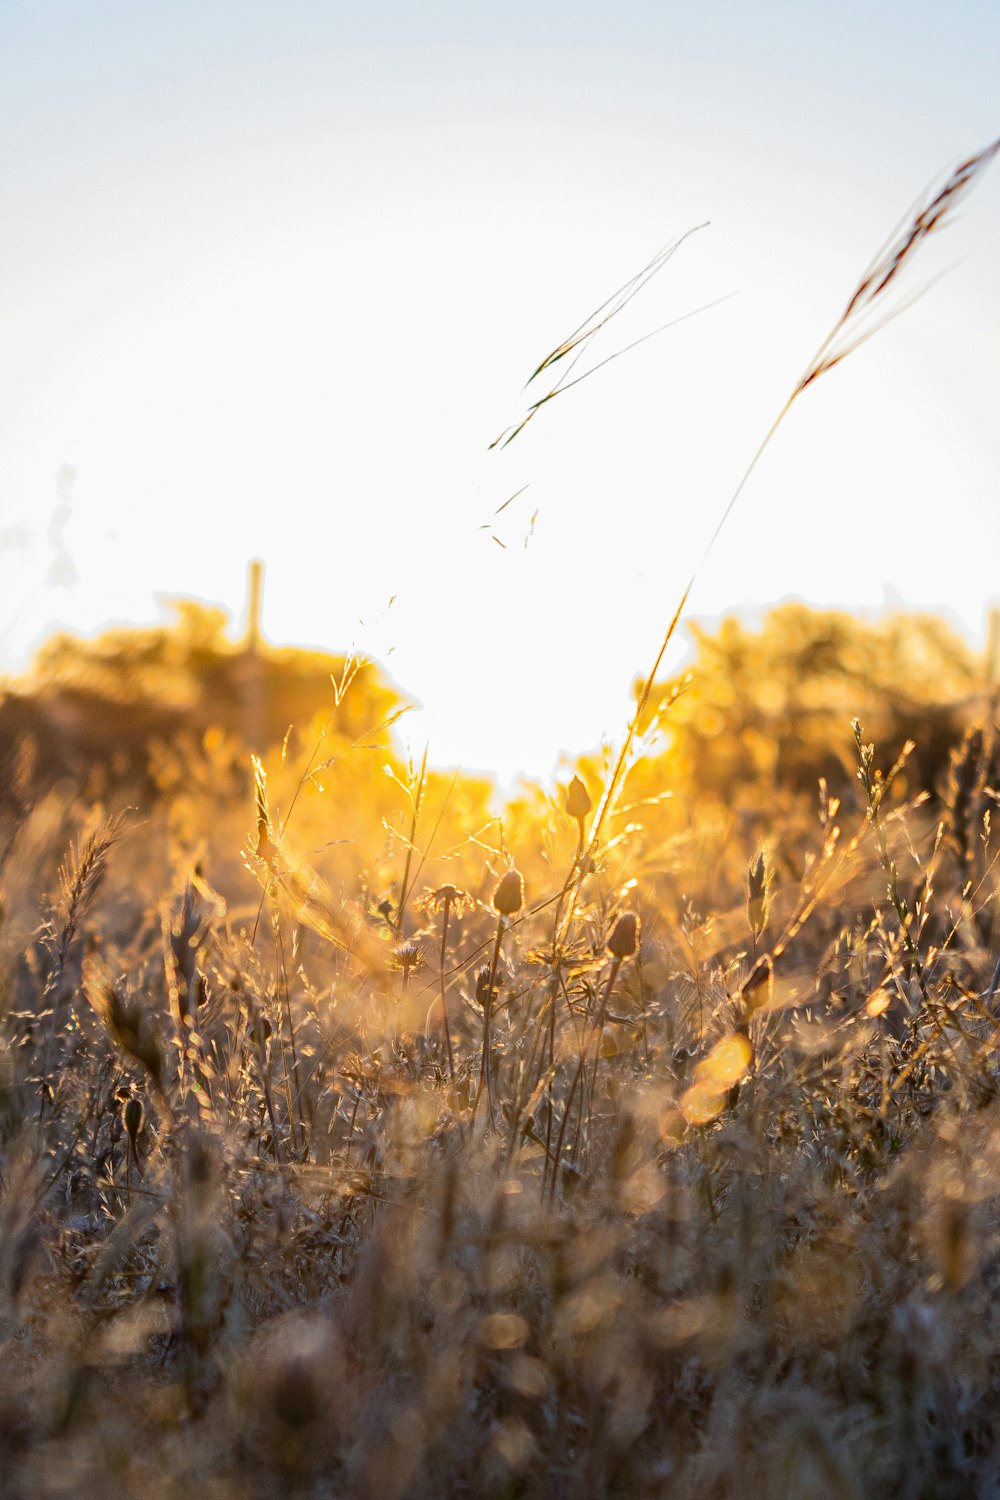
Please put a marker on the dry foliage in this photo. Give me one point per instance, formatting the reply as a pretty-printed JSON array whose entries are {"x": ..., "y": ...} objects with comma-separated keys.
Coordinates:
[
  {"x": 479, "y": 1162},
  {"x": 645, "y": 1140}
]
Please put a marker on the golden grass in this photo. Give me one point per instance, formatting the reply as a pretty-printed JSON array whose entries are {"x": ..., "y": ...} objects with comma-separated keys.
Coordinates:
[{"x": 353, "y": 1143}]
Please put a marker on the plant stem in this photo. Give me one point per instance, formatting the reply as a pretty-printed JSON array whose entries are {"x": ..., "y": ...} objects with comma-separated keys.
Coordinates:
[
  {"x": 599, "y": 1027},
  {"x": 444, "y": 1006},
  {"x": 485, "y": 1071}
]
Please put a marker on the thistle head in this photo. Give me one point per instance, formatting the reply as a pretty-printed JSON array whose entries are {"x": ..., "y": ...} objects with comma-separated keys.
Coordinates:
[
  {"x": 578, "y": 801},
  {"x": 508, "y": 898},
  {"x": 132, "y": 1115},
  {"x": 624, "y": 939}
]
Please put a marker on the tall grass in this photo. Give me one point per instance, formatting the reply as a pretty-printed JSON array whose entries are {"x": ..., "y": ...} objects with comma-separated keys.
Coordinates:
[{"x": 635, "y": 1147}]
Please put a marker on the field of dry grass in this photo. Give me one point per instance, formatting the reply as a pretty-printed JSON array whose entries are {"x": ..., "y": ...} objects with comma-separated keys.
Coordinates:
[
  {"x": 339, "y": 1159},
  {"x": 359, "y": 1139}
]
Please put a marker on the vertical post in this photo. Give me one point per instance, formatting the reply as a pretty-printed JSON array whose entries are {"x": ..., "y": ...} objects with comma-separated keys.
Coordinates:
[
  {"x": 255, "y": 595},
  {"x": 993, "y": 647},
  {"x": 252, "y": 672}
]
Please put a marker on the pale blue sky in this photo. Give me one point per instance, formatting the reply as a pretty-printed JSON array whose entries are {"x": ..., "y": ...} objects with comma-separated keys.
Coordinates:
[{"x": 271, "y": 278}]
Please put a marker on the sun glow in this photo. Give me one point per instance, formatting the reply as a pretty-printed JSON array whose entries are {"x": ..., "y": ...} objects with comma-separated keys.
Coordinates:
[{"x": 284, "y": 314}]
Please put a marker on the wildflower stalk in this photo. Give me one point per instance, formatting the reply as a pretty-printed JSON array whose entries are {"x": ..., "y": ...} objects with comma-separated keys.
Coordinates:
[
  {"x": 485, "y": 1069},
  {"x": 417, "y": 798},
  {"x": 581, "y": 1064},
  {"x": 508, "y": 898},
  {"x": 876, "y": 785},
  {"x": 266, "y": 851},
  {"x": 622, "y": 944},
  {"x": 579, "y": 805},
  {"x": 447, "y": 897},
  {"x": 448, "y": 900}
]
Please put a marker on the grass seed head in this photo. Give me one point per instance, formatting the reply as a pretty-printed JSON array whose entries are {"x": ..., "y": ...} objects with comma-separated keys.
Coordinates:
[
  {"x": 129, "y": 1024},
  {"x": 758, "y": 881}
]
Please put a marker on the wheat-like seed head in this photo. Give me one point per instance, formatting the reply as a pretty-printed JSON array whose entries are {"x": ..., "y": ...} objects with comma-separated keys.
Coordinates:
[{"x": 891, "y": 260}]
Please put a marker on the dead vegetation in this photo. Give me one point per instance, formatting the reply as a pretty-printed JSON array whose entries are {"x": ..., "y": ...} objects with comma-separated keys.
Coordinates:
[
  {"x": 473, "y": 1161},
  {"x": 644, "y": 1140}
]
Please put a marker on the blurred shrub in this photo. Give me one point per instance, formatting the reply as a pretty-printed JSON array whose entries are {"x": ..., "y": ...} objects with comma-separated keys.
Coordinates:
[{"x": 770, "y": 707}]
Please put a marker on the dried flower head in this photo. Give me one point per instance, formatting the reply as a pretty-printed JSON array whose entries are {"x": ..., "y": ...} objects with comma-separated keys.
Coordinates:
[
  {"x": 624, "y": 939},
  {"x": 578, "y": 800},
  {"x": 508, "y": 898},
  {"x": 407, "y": 956},
  {"x": 483, "y": 986},
  {"x": 447, "y": 897},
  {"x": 132, "y": 1115}
]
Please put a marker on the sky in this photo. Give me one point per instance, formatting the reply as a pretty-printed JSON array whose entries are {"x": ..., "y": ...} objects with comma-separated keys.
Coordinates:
[{"x": 273, "y": 277}]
